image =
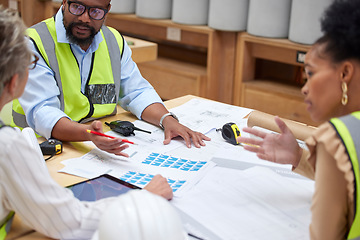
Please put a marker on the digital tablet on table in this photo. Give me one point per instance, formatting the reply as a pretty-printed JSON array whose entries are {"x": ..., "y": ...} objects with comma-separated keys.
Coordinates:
[{"x": 100, "y": 187}]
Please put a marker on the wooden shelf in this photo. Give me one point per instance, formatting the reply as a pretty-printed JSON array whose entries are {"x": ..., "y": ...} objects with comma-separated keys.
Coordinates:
[
  {"x": 32, "y": 11},
  {"x": 219, "y": 48},
  {"x": 172, "y": 78},
  {"x": 279, "y": 50},
  {"x": 142, "y": 51},
  {"x": 277, "y": 99},
  {"x": 213, "y": 49},
  {"x": 279, "y": 94},
  {"x": 236, "y": 68}
]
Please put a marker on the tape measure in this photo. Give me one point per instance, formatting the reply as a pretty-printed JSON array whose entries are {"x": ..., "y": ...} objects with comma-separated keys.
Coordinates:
[
  {"x": 230, "y": 132},
  {"x": 51, "y": 147}
]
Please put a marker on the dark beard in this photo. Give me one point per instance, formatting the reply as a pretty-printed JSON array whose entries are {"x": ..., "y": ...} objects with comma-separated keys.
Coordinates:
[{"x": 79, "y": 41}]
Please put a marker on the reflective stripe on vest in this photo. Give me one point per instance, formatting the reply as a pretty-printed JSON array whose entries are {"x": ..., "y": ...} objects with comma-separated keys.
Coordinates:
[
  {"x": 348, "y": 128},
  {"x": 5, "y": 228},
  {"x": 103, "y": 86}
]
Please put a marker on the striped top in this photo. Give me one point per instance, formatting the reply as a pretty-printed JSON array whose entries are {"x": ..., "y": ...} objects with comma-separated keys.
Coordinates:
[{"x": 27, "y": 188}]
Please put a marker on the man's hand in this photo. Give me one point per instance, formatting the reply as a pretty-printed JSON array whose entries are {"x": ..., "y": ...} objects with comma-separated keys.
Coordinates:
[
  {"x": 160, "y": 186},
  {"x": 71, "y": 131},
  {"x": 115, "y": 146},
  {"x": 172, "y": 129}
]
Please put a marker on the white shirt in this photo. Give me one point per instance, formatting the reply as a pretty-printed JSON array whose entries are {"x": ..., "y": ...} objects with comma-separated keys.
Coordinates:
[
  {"x": 27, "y": 188},
  {"x": 40, "y": 99}
]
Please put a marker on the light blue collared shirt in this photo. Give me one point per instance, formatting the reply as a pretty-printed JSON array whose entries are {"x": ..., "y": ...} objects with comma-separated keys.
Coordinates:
[{"x": 40, "y": 99}]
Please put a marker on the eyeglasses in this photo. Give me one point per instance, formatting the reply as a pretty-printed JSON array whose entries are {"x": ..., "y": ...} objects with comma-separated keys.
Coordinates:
[
  {"x": 34, "y": 60},
  {"x": 78, "y": 9}
]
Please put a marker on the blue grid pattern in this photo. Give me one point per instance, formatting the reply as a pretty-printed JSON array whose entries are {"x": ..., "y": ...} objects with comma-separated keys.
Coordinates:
[
  {"x": 162, "y": 160},
  {"x": 141, "y": 179}
]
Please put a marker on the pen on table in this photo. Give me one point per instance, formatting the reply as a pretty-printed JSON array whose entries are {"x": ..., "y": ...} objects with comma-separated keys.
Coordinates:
[
  {"x": 194, "y": 236},
  {"x": 104, "y": 135}
]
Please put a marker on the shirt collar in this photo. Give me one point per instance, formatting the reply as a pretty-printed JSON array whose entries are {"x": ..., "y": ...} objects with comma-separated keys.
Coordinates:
[{"x": 61, "y": 33}]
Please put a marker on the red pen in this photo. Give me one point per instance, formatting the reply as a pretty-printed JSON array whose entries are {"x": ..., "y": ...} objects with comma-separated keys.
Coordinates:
[{"x": 104, "y": 135}]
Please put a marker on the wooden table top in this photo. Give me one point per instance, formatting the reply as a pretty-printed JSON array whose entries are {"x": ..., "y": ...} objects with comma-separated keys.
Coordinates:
[{"x": 71, "y": 150}]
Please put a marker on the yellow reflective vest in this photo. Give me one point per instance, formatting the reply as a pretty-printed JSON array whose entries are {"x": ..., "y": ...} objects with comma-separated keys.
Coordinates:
[
  {"x": 348, "y": 129},
  {"x": 5, "y": 227},
  {"x": 103, "y": 85}
]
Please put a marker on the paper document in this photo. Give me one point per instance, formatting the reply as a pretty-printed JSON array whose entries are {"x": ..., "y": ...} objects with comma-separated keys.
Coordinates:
[
  {"x": 200, "y": 115},
  {"x": 181, "y": 173},
  {"x": 251, "y": 204}
]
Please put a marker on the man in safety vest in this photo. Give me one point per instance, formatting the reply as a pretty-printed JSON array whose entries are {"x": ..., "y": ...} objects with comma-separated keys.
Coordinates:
[
  {"x": 84, "y": 70},
  {"x": 26, "y": 187}
]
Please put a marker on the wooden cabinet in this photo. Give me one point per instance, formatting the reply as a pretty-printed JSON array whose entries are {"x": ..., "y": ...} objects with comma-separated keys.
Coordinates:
[
  {"x": 4, "y": 3},
  {"x": 33, "y": 11},
  {"x": 269, "y": 76},
  {"x": 230, "y": 67},
  {"x": 194, "y": 60},
  {"x": 173, "y": 78}
]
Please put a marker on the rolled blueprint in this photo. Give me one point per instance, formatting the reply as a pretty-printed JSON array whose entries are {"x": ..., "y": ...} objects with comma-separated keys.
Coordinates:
[{"x": 264, "y": 120}]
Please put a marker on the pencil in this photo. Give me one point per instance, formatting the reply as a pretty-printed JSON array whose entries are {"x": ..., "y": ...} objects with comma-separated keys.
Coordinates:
[{"x": 104, "y": 135}]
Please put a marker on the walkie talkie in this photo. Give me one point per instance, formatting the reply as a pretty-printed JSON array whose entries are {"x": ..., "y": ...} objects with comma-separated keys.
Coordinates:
[{"x": 124, "y": 128}]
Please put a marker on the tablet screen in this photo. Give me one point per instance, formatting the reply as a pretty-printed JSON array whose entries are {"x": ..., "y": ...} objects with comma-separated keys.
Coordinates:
[{"x": 100, "y": 187}]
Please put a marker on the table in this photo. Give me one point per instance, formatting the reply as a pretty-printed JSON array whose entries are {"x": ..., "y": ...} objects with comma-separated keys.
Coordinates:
[
  {"x": 72, "y": 150},
  {"x": 238, "y": 189}
]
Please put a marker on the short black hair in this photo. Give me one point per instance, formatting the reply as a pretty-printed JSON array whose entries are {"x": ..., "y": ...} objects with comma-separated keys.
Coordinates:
[{"x": 340, "y": 25}]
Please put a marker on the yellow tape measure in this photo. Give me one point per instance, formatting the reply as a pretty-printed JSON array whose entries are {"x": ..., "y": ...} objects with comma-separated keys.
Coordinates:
[{"x": 230, "y": 132}]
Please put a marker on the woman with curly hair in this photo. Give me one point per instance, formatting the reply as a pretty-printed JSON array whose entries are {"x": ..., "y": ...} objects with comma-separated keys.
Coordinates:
[{"x": 332, "y": 95}]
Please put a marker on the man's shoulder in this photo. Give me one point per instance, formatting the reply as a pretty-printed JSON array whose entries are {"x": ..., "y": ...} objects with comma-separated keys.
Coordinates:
[
  {"x": 118, "y": 36},
  {"x": 114, "y": 31}
]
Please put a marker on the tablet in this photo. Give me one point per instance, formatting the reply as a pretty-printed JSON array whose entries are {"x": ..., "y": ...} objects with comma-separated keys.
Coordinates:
[{"x": 100, "y": 187}]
